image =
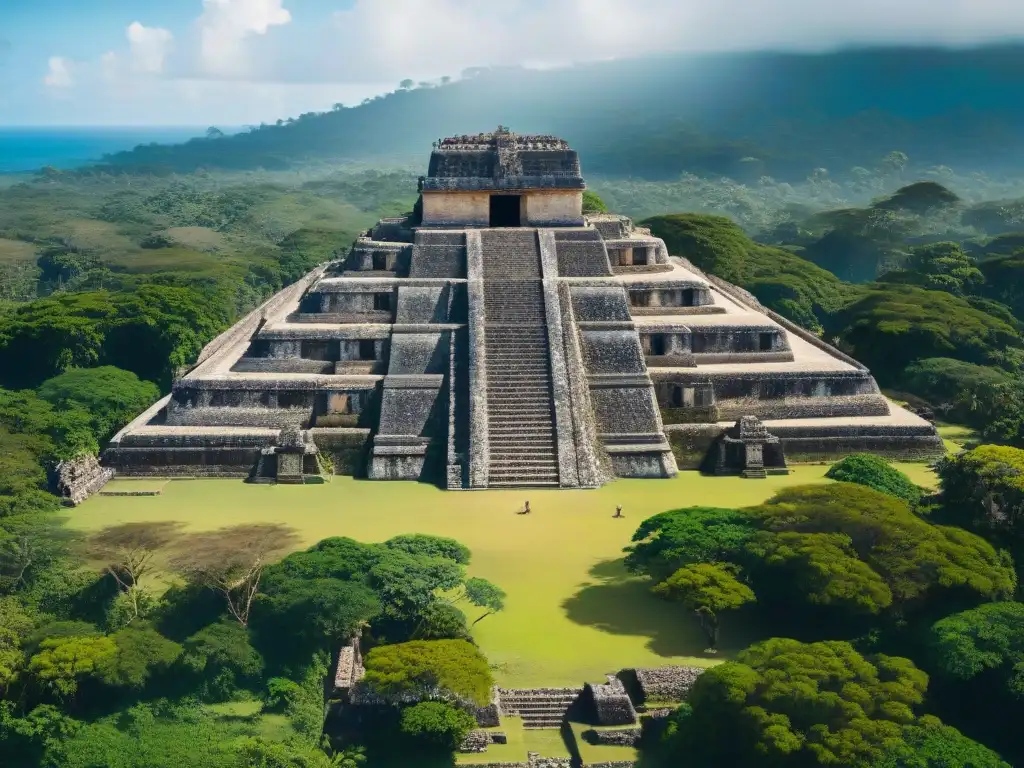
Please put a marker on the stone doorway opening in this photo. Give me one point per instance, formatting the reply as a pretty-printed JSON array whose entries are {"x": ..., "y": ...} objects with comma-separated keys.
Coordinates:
[{"x": 505, "y": 210}]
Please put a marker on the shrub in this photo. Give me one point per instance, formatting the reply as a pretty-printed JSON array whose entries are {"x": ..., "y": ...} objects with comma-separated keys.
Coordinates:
[
  {"x": 875, "y": 472},
  {"x": 438, "y": 724}
]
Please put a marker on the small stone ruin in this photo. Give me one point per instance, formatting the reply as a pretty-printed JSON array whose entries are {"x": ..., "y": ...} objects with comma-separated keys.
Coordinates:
[
  {"x": 80, "y": 478},
  {"x": 612, "y": 704},
  {"x": 748, "y": 449}
]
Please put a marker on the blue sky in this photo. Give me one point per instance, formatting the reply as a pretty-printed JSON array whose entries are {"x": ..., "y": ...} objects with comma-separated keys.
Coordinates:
[{"x": 234, "y": 62}]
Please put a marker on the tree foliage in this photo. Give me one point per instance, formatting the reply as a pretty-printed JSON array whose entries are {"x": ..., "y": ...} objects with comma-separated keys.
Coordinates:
[
  {"x": 111, "y": 396},
  {"x": 875, "y": 472},
  {"x": 783, "y": 702},
  {"x": 983, "y": 491},
  {"x": 437, "y": 724},
  {"x": 231, "y": 560},
  {"x": 989, "y": 637},
  {"x": 670, "y": 540},
  {"x": 706, "y": 589},
  {"x": 139, "y": 653},
  {"x": 843, "y": 549},
  {"x": 934, "y": 745},
  {"x": 484, "y": 594},
  {"x": 429, "y": 669}
]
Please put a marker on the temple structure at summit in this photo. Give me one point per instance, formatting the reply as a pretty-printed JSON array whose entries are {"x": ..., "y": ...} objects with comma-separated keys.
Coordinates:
[{"x": 498, "y": 337}]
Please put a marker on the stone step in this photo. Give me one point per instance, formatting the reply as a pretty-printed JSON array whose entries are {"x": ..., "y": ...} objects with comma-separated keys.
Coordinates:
[
  {"x": 524, "y": 482},
  {"x": 528, "y": 443}
]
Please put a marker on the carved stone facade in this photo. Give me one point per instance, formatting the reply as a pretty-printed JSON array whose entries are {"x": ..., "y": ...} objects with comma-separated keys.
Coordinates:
[{"x": 498, "y": 338}]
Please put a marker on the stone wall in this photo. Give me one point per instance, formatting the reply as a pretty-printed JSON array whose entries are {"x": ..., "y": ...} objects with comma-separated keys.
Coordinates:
[
  {"x": 346, "y": 448},
  {"x": 470, "y": 209},
  {"x": 618, "y": 737},
  {"x": 551, "y": 209},
  {"x": 666, "y": 683}
]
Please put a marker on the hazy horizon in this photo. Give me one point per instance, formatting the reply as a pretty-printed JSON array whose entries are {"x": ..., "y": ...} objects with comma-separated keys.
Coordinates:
[{"x": 242, "y": 62}]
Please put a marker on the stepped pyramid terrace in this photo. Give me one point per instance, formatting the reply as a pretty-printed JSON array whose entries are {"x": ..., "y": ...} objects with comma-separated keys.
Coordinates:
[{"x": 499, "y": 337}]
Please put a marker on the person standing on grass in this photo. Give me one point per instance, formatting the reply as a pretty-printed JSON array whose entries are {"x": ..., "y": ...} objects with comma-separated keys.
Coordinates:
[
  {"x": 618, "y": 511},
  {"x": 526, "y": 508}
]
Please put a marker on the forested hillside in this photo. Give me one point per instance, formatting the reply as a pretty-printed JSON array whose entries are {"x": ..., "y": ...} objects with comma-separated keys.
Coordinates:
[{"x": 741, "y": 115}]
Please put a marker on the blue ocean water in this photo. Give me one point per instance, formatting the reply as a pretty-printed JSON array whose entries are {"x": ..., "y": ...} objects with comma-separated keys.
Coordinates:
[{"x": 27, "y": 149}]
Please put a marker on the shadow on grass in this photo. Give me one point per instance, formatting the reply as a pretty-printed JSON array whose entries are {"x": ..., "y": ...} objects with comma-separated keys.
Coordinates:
[{"x": 620, "y": 603}]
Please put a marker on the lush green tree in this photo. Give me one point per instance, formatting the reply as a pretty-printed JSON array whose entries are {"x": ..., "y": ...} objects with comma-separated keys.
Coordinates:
[
  {"x": 983, "y": 491},
  {"x": 875, "y": 472},
  {"x": 429, "y": 669},
  {"x": 934, "y": 745},
  {"x": 989, "y": 637},
  {"x": 111, "y": 396},
  {"x": 145, "y": 737},
  {"x": 441, "y": 620},
  {"x": 437, "y": 724},
  {"x": 139, "y": 653},
  {"x": 965, "y": 393},
  {"x": 835, "y": 555},
  {"x": 919, "y": 562},
  {"x": 150, "y": 331},
  {"x": 25, "y": 739},
  {"x": 258, "y": 752},
  {"x": 894, "y": 324},
  {"x": 303, "y": 702},
  {"x": 62, "y": 662},
  {"x": 670, "y": 540},
  {"x": 407, "y": 583},
  {"x": 222, "y": 658},
  {"x": 484, "y": 594},
  {"x": 69, "y": 430},
  {"x": 302, "y": 616},
  {"x": 706, "y": 589},
  {"x": 16, "y": 622},
  {"x": 430, "y": 546},
  {"x": 787, "y": 703},
  {"x": 939, "y": 267}
]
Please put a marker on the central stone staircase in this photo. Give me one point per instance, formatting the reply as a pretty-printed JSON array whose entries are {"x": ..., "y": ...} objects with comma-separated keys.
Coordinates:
[
  {"x": 538, "y": 707},
  {"x": 520, "y": 405}
]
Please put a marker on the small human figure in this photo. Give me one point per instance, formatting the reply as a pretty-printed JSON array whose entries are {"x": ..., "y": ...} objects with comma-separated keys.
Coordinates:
[
  {"x": 618, "y": 511},
  {"x": 526, "y": 508}
]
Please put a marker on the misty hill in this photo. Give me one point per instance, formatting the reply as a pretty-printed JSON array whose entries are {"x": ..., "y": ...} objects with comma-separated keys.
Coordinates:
[{"x": 741, "y": 115}]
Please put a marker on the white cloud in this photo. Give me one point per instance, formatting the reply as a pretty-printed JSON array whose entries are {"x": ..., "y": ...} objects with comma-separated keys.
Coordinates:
[
  {"x": 148, "y": 47},
  {"x": 59, "y": 73},
  {"x": 224, "y": 27},
  {"x": 398, "y": 38}
]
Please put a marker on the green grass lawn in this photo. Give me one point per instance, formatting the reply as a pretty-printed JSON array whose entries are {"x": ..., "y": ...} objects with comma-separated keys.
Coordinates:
[
  {"x": 572, "y": 614},
  {"x": 547, "y": 742},
  {"x": 956, "y": 436}
]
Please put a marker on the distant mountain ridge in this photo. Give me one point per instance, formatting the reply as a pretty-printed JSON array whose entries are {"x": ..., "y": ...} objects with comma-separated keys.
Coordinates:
[{"x": 781, "y": 114}]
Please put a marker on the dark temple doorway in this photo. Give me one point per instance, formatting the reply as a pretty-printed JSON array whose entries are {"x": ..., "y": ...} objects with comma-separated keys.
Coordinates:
[{"x": 505, "y": 210}]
